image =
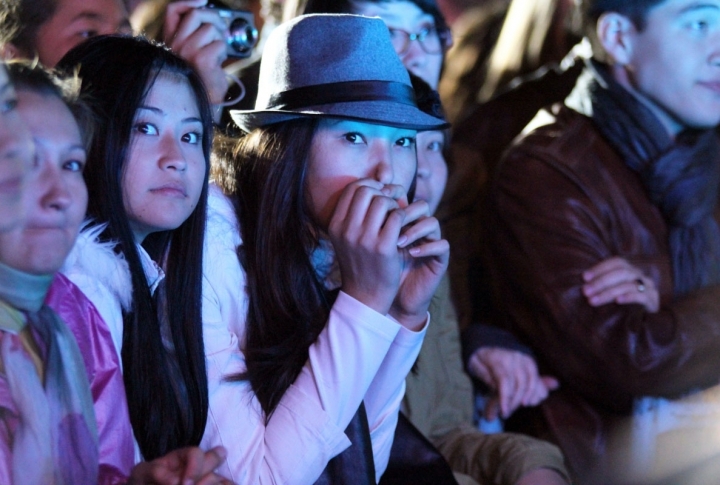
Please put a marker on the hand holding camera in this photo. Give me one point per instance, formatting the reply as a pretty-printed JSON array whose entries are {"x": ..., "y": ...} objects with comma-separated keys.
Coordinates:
[{"x": 199, "y": 35}]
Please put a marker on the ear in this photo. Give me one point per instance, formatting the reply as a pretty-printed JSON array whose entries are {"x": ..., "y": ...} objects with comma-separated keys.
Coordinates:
[
  {"x": 616, "y": 34},
  {"x": 9, "y": 51}
]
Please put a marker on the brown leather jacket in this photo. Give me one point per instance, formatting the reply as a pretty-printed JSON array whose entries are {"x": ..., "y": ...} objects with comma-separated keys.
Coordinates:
[{"x": 562, "y": 202}]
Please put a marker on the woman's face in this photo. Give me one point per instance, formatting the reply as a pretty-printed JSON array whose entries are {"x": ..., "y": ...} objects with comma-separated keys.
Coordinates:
[
  {"x": 165, "y": 171},
  {"x": 55, "y": 196},
  {"x": 16, "y": 152},
  {"x": 432, "y": 169},
  {"x": 402, "y": 18},
  {"x": 344, "y": 151}
]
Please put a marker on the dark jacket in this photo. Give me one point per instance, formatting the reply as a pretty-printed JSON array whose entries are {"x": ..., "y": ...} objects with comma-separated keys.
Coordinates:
[
  {"x": 562, "y": 202},
  {"x": 478, "y": 142}
]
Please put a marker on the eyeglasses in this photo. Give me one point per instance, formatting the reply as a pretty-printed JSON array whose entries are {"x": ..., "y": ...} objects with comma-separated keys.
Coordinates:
[{"x": 428, "y": 38}]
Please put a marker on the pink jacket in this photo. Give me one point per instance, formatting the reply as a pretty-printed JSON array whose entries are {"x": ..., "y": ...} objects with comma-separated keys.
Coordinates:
[{"x": 105, "y": 376}]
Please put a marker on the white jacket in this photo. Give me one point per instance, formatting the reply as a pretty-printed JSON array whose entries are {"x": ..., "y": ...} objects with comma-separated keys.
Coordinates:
[
  {"x": 360, "y": 355},
  {"x": 104, "y": 277}
]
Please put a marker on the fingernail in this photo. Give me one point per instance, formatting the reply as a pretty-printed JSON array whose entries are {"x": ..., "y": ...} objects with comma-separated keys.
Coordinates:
[
  {"x": 415, "y": 251},
  {"x": 401, "y": 241},
  {"x": 386, "y": 190}
]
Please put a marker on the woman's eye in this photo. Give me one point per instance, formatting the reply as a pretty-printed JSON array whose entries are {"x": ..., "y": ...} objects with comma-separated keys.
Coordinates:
[
  {"x": 406, "y": 141},
  {"x": 435, "y": 146},
  {"x": 9, "y": 105},
  {"x": 192, "y": 137},
  {"x": 146, "y": 128},
  {"x": 86, "y": 34},
  {"x": 74, "y": 165},
  {"x": 354, "y": 138}
]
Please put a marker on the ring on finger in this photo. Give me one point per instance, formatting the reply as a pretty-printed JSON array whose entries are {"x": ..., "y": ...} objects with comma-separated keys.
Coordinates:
[{"x": 640, "y": 285}]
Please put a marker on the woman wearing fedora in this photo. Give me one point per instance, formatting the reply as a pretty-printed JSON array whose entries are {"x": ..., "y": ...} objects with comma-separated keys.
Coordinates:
[{"x": 320, "y": 269}]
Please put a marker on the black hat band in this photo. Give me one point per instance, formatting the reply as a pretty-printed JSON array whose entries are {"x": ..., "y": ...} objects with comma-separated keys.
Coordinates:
[{"x": 342, "y": 92}]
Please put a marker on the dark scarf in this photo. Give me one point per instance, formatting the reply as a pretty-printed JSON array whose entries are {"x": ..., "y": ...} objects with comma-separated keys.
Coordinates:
[
  {"x": 682, "y": 177},
  {"x": 355, "y": 464}
]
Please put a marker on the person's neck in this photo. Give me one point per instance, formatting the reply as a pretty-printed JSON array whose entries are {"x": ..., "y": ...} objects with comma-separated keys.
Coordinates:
[
  {"x": 672, "y": 125},
  {"x": 22, "y": 290}
]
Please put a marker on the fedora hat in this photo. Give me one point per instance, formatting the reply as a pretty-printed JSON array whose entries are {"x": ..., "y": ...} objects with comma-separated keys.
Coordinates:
[{"x": 340, "y": 66}]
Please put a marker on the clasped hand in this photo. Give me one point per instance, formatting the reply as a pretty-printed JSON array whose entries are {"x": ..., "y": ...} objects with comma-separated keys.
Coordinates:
[{"x": 391, "y": 254}]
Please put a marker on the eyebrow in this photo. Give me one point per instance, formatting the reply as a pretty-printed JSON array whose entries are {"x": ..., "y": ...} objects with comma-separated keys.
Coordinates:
[
  {"x": 45, "y": 141},
  {"x": 87, "y": 15},
  {"x": 699, "y": 6},
  {"x": 159, "y": 112},
  {"x": 90, "y": 15}
]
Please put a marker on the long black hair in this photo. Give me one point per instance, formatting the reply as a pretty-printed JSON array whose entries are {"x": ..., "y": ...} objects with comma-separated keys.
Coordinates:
[
  {"x": 288, "y": 304},
  {"x": 167, "y": 394}
]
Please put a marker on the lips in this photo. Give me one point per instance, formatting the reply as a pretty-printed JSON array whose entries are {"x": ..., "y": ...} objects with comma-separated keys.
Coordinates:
[
  {"x": 711, "y": 85},
  {"x": 173, "y": 189}
]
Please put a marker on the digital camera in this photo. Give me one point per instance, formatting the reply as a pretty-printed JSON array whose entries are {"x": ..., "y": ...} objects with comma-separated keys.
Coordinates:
[{"x": 242, "y": 35}]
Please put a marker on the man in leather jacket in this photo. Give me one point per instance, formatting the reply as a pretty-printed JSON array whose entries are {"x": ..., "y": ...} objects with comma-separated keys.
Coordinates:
[{"x": 605, "y": 246}]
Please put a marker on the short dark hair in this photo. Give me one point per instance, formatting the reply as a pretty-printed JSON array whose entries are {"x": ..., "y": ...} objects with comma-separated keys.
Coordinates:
[
  {"x": 635, "y": 10},
  {"x": 21, "y": 19},
  {"x": 30, "y": 76},
  {"x": 426, "y": 98}
]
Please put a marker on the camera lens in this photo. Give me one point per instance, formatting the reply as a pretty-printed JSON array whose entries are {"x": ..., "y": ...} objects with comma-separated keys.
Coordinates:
[{"x": 243, "y": 36}]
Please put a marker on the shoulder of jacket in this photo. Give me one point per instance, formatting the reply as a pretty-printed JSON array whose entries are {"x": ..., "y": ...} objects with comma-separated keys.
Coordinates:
[
  {"x": 562, "y": 137},
  {"x": 222, "y": 226},
  {"x": 95, "y": 260}
]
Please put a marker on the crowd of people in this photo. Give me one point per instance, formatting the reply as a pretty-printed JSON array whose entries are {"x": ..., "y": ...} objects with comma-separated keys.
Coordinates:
[{"x": 293, "y": 269}]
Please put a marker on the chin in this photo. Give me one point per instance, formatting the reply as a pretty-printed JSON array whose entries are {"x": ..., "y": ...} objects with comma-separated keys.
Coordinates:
[{"x": 43, "y": 267}]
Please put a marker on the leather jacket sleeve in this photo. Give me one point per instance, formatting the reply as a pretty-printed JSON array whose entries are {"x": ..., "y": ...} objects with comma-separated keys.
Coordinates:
[{"x": 561, "y": 204}]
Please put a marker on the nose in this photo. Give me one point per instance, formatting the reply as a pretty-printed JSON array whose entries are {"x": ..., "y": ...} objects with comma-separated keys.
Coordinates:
[
  {"x": 423, "y": 168},
  {"x": 715, "y": 54},
  {"x": 53, "y": 189},
  {"x": 384, "y": 171},
  {"x": 713, "y": 48},
  {"x": 415, "y": 56},
  {"x": 172, "y": 156}
]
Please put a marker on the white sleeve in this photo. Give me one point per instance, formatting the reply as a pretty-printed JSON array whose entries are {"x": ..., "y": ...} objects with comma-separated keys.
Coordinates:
[
  {"x": 307, "y": 428},
  {"x": 383, "y": 398}
]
